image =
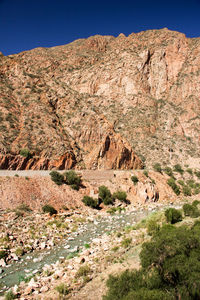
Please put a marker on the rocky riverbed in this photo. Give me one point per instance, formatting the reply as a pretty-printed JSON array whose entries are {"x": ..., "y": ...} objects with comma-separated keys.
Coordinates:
[{"x": 70, "y": 248}]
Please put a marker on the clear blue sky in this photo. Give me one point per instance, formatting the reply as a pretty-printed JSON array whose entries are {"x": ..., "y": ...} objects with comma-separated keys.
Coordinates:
[{"x": 27, "y": 24}]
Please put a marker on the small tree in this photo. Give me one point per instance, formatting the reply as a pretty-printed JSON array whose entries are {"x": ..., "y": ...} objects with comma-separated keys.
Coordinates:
[{"x": 57, "y": 177}]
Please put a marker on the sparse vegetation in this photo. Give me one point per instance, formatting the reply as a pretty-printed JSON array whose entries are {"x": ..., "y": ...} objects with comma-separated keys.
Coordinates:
[
  {"x": 49, "y": 209},
  {"x": 10, "y": 295},
  {"x": 83, "y": 271},
  {"x": 62, "y": 289},
  {"x": 3, "y": 254},
  {"x": 169, "y": 171},
  {"x": 145, "y": 172},
  {"x": 126, "y": 242}
]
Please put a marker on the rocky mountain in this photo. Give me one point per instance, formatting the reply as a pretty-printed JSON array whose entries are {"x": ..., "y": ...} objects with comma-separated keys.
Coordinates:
[{"x": 102, "y": 103}]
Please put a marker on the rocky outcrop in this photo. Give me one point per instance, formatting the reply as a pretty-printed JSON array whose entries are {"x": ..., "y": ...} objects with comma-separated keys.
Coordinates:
[
  {"x": 18, "y": 162},
  {"x": 113, "y": 153}
]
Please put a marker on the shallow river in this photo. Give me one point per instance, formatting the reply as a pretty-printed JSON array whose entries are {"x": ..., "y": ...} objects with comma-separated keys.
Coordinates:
[{"x": 33, "y": 262}]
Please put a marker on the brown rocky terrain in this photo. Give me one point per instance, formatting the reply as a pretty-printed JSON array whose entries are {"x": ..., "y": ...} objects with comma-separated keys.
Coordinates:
[{"x": 102, "y": 102}]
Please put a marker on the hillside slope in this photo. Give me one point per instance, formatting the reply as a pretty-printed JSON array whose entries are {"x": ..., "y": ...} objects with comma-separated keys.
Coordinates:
[{"x": 96, "y": 102}]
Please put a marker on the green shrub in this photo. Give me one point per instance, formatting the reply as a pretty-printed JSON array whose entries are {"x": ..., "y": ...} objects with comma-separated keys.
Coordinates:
[
  {"x": 24, "y": 207},
  {"x": 104, "y": 192},
  {"x": 197, "y": 173},
  {"x": 72, "y": 179},
  {"x": 181, "y": 182},
  {"x": 19, "y": 251},
  {"x": 105, "y": 195},
  {"x": 172, "y": 183},
  {"x": 170, "y": 268},
  {"x": 169, "y": 171},
  {"x": 89, "y": 201},
  {"x": 145, "y": 172},
  {"x": 152, "y": 227},
  {"x": 186, "y": 190},
  {"x": 10, "y": 295},
  {"x": 3, "y": 254},
  {"x": 62, "y": 289},
  {"x": 134, "y": 179},
  {"x": 126, "y": 242},
  {"x": 120, "y": 195},
  {"x": 173, "y": 215},
  {"x": 49, "y": 209},
  {"x": 83, "y": 271},
  {"x": 178, "y": 168},
  {"x": 191, "y": 210},
  {"x": 191, "y": 183},
  {"x": 108, "y": 201},
  {"x": 196, "y": 202},
  {"x": 57, "y": 177},
  {"x": 157, "y": 167},
  {"x": 189, "y": 171},
  {"x": 25, "y": 153}
]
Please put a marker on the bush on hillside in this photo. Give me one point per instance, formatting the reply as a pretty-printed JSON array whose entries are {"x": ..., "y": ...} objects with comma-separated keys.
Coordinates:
[
  {"x": 49, "y": 209},
  {"x": 120, "y": 195},
  {"x": 157, "y": 167},
  {"x": 172, "y": 183},
  {"x": 178, "y": 168},
  {"x": 72, "y": 179},
  {"x": 173, "y": 215},
  {"x": 186, "y": 190},
  {"x": 169, "y": 171},
  {"x": 57, "y": 177},
  {"x": 134, "y": 179},
  {"x": 105, "y": 195},
  {"x": 25, "y": 153},
  {"x": 191, "y": 210},
  {"x": 89, "y": 201}
]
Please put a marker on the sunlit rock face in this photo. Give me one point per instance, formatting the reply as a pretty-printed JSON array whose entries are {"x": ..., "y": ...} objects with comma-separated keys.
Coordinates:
[{"x": 102, "y": 103}]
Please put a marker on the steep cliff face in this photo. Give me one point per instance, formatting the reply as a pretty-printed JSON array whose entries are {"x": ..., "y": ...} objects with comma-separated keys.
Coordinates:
[{"x": 102, "y": 100}]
